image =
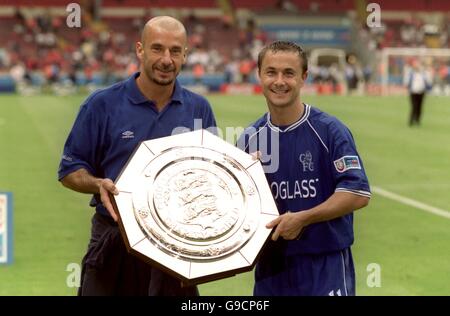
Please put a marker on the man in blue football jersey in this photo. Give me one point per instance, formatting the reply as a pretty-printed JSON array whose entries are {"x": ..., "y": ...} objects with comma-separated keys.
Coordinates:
[
  {"x": 111, "y": 123},
  {"x": 317, "y": 179}
]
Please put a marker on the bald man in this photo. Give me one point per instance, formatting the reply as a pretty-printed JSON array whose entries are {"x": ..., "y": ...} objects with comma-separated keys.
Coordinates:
[{"x": 110, "y": 124}]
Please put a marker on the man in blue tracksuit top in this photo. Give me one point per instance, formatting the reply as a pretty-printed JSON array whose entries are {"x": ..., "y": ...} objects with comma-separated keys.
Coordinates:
[
  {"x": 317, "y": 179},
  {"x": 111, "y": 123}
]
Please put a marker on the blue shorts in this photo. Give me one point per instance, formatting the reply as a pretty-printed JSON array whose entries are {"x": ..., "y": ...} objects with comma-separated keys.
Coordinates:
[{"x": 330, "y": 274}]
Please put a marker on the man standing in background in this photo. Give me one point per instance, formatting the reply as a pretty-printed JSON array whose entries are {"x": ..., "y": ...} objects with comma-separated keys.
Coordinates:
[{"x": 418, "y": 81}]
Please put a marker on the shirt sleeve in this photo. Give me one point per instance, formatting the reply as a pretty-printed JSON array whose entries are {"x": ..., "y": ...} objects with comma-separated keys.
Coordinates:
[
  {"x": 82, "y": 145},
  {"x": 347, "y": 166}
]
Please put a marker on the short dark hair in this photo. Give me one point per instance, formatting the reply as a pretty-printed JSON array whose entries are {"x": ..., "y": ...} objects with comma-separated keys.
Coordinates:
[{"x": 284, "y": 46}]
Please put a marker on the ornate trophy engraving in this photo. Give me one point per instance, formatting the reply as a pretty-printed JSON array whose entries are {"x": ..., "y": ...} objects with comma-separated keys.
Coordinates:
[{"x": 194, "y": 206}]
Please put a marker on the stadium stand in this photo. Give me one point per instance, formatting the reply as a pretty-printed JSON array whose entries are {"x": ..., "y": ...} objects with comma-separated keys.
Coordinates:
[{"x": 38, "y": 49}]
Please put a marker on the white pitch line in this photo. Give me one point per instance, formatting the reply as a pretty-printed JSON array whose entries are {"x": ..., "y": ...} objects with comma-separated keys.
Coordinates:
[{"x": 411, "y": 202}]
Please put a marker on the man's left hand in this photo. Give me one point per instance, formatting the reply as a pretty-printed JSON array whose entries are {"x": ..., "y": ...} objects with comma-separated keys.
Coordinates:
[{"x": 289, "y": 225}]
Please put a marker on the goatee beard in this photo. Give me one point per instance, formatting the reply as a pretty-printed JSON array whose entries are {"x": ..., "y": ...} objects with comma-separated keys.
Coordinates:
[
  {"x": 158, "y": 82},
  {"x": 162, "y": 83}
]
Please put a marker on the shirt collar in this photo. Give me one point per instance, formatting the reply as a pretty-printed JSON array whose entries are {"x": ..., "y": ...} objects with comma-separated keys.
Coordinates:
[
  {"x": 135, "y": 95},
  {"x": 177, "y": 94},
  {"x": 282, "y": 129}
]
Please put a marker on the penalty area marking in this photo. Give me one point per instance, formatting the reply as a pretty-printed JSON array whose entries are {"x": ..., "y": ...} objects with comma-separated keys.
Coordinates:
[{"x": 411, "y": 202}]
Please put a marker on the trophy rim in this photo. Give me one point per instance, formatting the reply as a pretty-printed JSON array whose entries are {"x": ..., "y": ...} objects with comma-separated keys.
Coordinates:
[{"x": 228, "y": 162}]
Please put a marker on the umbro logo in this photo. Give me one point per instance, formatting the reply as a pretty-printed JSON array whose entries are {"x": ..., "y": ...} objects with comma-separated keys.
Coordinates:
[
  {"x": 128, "y": 134},
  {"x": 68, "y": 158}
]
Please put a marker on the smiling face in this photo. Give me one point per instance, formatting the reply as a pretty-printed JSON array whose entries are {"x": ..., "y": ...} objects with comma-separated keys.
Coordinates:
[
  {"x": 282, "y": 77},
  {"x": 162, "y": 51}
]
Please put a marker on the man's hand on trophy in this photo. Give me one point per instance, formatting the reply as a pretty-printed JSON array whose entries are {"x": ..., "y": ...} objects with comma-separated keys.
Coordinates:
[
  {"x": 107, "y": 188},
  {"x": 289, "y": 225}
]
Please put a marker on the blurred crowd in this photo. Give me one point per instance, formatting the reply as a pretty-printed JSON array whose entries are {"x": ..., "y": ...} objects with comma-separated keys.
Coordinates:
[
  {"x": 39, "y": 50},
  {"x": 42, "y": 48}
]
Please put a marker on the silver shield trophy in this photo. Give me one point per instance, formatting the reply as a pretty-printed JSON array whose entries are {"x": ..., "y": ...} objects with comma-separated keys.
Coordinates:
[{"x": 195, "y": 206}]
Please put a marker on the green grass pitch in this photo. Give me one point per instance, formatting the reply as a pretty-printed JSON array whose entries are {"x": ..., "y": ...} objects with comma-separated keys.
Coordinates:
[{"x": 51, "y": 224}]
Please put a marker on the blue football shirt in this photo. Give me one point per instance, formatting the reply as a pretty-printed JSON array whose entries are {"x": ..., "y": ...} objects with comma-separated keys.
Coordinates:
[
  {"x": 113, "y": 121},
  {"x": 305, "y": 163}
]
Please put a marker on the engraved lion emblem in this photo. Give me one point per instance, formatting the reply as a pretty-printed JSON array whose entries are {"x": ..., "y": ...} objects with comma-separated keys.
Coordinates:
[{"x": 197, "y": 196}]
